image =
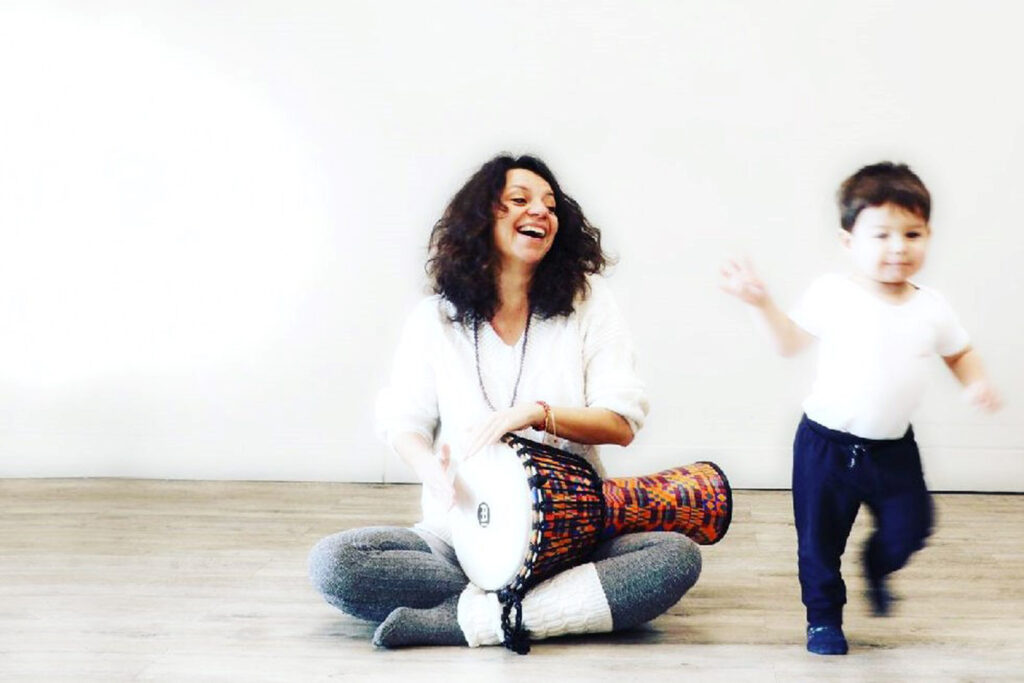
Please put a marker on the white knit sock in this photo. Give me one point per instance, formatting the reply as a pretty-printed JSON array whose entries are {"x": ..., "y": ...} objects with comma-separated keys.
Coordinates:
[
  {"x": 479, "y": 617},
  {"x": 570, "y": 602}
]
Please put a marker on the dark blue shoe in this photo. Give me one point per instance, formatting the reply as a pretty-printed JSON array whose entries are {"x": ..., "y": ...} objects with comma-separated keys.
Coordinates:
[{"x": 826, "y": 640}]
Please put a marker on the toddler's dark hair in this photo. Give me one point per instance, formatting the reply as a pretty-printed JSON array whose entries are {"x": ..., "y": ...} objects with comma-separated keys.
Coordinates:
[{"x": 882, "y": 183}]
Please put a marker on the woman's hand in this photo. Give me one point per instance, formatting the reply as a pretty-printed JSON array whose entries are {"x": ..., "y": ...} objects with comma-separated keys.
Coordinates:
[
  {"x": 489, "y": 430},
  {"x": 435, "y": 474},
  {"x": 741, "y": 280}
]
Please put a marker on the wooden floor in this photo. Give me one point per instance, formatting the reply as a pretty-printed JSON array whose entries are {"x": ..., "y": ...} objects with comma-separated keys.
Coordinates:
[{"x": 124, "y": 580}]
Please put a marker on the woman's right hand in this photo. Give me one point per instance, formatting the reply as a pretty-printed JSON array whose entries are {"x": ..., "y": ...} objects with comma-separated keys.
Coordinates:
[
  {"x": 431, "y": 468},
  {"x": 741, "y": 280},
  {"x": 434, "y": 472}
]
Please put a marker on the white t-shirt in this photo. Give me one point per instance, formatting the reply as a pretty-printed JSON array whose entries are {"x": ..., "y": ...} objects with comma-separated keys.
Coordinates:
[
  {"x": 873, "y": 355},
  {"x": 584, "y": 359}
]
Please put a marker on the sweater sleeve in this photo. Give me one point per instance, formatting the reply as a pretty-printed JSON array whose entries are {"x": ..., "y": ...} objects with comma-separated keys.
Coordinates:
[
  {"x": 408, "y": 403},
  {"x": 609, "y": 361}
]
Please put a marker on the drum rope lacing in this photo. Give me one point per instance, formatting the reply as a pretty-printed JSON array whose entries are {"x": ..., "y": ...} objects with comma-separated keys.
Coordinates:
[{"x": 515, "y": 636}]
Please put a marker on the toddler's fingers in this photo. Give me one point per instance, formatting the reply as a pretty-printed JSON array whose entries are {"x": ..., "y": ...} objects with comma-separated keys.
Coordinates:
[
  {"x": 993, "y": 402},
  {"x": 984, "y": 397},
  {"x": 733, "y": 265}
]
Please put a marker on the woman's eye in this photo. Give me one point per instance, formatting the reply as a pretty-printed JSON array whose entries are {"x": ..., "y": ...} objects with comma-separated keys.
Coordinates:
[
  {"x": 518, "y": 200},
  {"x": 913, "y": 235}
]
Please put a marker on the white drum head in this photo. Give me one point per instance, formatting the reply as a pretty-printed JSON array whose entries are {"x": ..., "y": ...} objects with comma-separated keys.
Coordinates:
[{"x": 493, "y": 516}]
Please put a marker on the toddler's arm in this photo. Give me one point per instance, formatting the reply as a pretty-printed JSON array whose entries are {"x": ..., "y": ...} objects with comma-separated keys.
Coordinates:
[
  {"x": 968, "y": 369},
  {"x": 740, "y": 280}
]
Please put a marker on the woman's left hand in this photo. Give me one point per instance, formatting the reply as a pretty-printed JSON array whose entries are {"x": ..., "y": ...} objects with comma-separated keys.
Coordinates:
[{"x": 494, "y": 426}]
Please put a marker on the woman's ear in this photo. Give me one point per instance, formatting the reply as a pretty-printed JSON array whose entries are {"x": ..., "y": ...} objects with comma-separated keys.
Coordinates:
[{"x": 845, "y": 237}]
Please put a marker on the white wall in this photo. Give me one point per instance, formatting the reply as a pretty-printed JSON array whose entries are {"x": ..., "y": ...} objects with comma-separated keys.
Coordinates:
[{"x": 214, "y": 215}]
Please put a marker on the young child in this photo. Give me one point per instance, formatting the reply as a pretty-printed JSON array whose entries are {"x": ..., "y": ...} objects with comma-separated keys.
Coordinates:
[{"x": 876, "y": 331}]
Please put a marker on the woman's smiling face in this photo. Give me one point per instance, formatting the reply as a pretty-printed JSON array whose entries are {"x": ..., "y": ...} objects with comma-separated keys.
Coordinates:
[{"x": 525, "y": 223}]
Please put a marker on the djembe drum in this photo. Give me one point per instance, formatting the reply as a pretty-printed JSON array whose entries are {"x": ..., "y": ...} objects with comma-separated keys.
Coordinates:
[{"x": 525, "y": 511}]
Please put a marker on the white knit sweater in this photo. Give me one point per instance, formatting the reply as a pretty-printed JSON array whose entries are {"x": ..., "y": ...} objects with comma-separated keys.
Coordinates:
[{"x": 584, "y": 359}]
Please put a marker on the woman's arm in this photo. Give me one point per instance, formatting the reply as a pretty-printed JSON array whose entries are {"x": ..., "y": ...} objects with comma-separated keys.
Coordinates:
[
  {"x": 431, "y": 468},
  {"x": 590, "y": 425}
]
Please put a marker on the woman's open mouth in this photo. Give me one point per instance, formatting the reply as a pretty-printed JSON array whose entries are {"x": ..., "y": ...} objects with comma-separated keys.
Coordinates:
[{"x": 534, "y": 231}]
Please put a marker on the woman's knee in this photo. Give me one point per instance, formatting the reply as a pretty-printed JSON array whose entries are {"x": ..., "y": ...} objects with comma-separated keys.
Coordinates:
[
  {"x": 339, "y": 566},
  {"x": 687, "y": 560},
  {"x": 673, "y": 561},
  {"x": 642, "y": 583},
  {"x": 667, "y": 554},
  {"x": 331, "y": 562}
]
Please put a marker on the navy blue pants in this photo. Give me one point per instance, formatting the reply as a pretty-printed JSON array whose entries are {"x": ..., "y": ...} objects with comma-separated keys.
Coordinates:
[{"x": 833, "y": 473}]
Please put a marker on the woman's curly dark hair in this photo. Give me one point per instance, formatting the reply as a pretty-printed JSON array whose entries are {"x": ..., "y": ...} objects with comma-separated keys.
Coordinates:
[{"x": 463, "y": 262}]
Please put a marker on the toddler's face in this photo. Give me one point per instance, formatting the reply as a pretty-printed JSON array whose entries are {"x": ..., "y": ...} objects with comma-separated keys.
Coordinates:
[{"x": 887, "y": 243}]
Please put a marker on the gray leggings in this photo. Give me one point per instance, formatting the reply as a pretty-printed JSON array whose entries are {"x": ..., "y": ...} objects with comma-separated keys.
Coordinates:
[{"x": 370, "y": 571}]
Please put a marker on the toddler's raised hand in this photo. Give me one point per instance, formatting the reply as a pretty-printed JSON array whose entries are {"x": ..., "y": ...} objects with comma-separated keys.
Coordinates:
[
  {"x": 741, "y": 280},
  {"x": 983, "y": 395}
]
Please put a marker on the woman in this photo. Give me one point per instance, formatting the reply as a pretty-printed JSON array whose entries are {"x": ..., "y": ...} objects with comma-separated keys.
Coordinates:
[{"x": 517, "y": 338}]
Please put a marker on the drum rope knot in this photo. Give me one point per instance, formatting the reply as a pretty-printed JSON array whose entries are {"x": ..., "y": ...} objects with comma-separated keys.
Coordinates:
[{"x": 515, "y": 637}]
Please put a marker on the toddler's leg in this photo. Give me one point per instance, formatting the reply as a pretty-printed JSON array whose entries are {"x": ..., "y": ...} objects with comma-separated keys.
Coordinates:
[
  {"x": 632, "y": 579},
  {"x": 825, "y": 505},
  {"x": 902, "y": 508},
  {"x": 371, "y": 571}
]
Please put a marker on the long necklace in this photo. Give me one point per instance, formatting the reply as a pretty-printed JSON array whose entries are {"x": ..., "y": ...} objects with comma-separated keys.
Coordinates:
[{"x": 522, "y": 357}]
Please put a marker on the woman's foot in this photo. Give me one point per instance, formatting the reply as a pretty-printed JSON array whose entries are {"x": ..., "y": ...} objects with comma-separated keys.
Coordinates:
[{"x": 407, "y": 626}]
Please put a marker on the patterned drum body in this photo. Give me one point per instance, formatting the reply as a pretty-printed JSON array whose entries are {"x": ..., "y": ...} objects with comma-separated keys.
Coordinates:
[
  {"x": 694, "y": 500},
  {"x": 568, "y": 512}
]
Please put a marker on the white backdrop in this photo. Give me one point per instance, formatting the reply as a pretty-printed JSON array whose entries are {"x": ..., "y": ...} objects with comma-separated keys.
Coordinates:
[{"x": 214, "y": 215}]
